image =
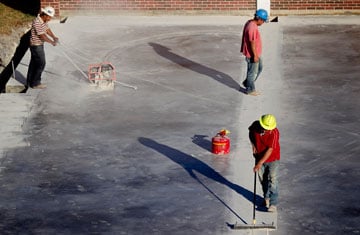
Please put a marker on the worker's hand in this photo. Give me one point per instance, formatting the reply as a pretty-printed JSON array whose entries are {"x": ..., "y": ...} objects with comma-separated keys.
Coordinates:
[
  {"x": 254, "y": 150},
  {"x": 56, "y": 41},
  {"x": 256, "y": 59},
  {"x": 257, "y": 167}
]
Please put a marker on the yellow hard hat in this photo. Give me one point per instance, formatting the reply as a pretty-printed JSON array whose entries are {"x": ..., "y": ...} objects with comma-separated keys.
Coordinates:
[{"x": 268, "y": 122}]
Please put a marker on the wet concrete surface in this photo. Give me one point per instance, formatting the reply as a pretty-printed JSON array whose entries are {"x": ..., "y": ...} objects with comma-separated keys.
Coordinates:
[
  {"x": 320, "y": 177},
  {"x": 121, "y": 162},
  {"x": 139, "y": 162}
]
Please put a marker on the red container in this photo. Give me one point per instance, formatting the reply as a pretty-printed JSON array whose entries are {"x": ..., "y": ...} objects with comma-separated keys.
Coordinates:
[{"x": 220, "y": 144}]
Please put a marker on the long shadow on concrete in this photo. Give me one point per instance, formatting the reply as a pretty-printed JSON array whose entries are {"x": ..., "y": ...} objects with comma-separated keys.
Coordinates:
[
  {"x": 201, "y": 141},
  {"x": 192, "y": 165},
  {"x": 196, "y": 67}
]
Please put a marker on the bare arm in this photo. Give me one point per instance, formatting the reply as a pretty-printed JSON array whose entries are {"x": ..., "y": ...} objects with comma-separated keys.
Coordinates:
[
  {"x": 47, "y": 39},
  {"x": 51, "y": 34},
  {"x": 253, "y": 50},
  {"x": 263, "y": 159},
  {"x": 253, "y": 149}
]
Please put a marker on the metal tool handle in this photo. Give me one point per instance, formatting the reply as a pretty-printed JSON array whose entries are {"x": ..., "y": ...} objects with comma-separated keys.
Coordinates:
[{"x": 254, "y": 199}]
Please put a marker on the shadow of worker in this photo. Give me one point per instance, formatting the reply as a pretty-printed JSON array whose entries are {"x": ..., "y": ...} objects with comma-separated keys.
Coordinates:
[
  {"x": 196, "y": 67},
  {"x": 202, "y": 141},
  {"x": 192, "y": 165}
]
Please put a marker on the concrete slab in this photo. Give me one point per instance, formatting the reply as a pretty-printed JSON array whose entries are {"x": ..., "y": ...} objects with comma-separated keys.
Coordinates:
[{"x": 139, "y": 161}]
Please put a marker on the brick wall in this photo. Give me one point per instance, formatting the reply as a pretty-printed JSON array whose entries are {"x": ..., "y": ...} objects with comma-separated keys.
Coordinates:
[
  {"x": 232, "y": 7},
  {"x": 54, "y": 3}
]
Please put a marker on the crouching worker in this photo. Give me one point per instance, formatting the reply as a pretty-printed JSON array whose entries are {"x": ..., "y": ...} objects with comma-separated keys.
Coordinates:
[{"x": 40, "y": 33}]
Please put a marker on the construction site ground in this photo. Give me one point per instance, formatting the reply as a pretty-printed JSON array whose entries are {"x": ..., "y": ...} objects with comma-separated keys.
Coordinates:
[{"x": 78, "y": 159}]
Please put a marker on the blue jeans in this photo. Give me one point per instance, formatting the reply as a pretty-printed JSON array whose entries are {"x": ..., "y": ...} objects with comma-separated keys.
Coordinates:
[
  {"x": 253, "y": 72},
  {"x": 36, "y": 66},
  {"x": 268, "y": 179}
]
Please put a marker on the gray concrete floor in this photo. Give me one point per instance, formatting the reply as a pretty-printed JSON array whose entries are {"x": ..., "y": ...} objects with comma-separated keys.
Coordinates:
[{"x": 127, "y": 161}]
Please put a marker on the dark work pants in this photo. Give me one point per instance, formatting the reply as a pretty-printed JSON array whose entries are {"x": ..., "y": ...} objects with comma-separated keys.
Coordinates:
[{"x": 36, "y": 66}]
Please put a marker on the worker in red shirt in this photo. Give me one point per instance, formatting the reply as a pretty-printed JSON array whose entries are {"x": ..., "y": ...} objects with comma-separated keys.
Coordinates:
[
  {"x": 265, "y": 137},
  {"x": 251, "y": 48}
]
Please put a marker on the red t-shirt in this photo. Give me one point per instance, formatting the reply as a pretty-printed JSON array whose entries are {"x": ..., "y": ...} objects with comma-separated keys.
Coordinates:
[
  {"x": 262, "y": 140},
  {"x": 251, "y": 33}
]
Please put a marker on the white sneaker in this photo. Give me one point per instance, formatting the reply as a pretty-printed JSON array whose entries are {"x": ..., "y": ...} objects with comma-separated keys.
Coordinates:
[
  {"x": 254, "y": 93},
  {"x": 272, "y": 208},
  {"x": 40, "y": 86}
]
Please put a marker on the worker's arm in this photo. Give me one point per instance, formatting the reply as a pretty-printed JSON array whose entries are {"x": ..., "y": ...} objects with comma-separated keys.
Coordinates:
[
  {"x": 45, "y": 38},
  {"x": 253, "y": 51},
  {"x": 263, "y": 159},
  {"x": 49, "y": 32},
  {"x": 253, "y": 149}
]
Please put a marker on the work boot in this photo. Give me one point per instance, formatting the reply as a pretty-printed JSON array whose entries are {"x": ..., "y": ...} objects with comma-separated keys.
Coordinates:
[{"x": 272, "y": 208}]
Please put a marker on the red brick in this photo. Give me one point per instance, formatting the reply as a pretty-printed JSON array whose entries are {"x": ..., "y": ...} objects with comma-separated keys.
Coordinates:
[{"x": 199, "y": 5}]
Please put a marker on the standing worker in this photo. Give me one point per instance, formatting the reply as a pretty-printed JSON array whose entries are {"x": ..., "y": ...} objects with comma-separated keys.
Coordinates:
[
  {"x": 264, "y": 137},
  {"x": 40, "y": 33},
  {"x": 251, "y": 48}
]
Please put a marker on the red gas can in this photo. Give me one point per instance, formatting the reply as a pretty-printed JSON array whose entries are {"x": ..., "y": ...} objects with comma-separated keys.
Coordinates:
[{"x": 221, "y": 143}]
